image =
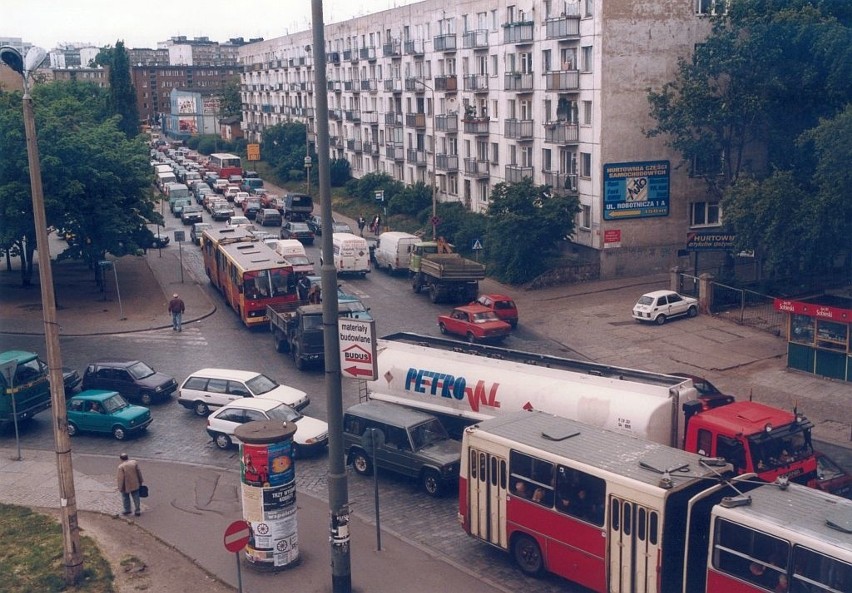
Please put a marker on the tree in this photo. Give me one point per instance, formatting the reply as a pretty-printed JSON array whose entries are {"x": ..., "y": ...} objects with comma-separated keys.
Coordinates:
[
  {"x": 526, "y": 224},
  {"x": 122, "y": 93},
  {"x": 232, "y": 102}
]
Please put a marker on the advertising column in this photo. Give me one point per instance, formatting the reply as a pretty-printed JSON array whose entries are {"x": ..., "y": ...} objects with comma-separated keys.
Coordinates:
[{"x": 268, "y": 492}]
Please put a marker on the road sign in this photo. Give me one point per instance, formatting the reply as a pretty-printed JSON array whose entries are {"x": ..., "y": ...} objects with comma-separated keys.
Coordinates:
[
  {"x": 357, "y": 349},
  {"x": 237, "y": 536},
  {"x": 253, "y": 152},
  {"x": 477, "y": 245}
]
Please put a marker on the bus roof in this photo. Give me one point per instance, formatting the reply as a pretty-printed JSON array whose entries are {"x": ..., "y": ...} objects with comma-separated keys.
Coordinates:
[
  {"x": 254, "y": 256},
  {"x": 227, "y": 235},
  {"x": 622, "y": 455}
]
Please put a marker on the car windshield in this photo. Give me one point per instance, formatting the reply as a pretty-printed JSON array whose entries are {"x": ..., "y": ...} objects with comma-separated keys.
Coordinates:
[
  {"x": 428, "y": 433},
  {"x": 114, "y": 403},
  {"x": 484, "y": 316},
  {"x": 261, "y": 384},
  {"x": 299, "y": 227},
  {"x": 284, "y": 413},
  {"x": 645, "y": 300},
  {"x": 140, "y": 370},
  {"x": 778, "y": 448}
]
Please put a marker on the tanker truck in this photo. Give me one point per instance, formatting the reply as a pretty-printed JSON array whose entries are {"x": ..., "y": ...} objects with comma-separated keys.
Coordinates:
[{"x": 465, "y": 384}]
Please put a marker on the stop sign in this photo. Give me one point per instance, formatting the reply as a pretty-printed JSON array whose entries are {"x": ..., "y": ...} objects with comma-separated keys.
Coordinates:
[{"x": 237, "y": 536}]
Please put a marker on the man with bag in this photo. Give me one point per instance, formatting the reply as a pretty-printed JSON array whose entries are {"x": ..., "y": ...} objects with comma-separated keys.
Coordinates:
[{"x": 129, "y": 483}]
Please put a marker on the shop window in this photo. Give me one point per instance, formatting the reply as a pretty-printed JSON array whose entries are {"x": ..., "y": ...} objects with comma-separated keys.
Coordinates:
[
  {"x": 832, "y": 335},
  {"x": 802, "y": 329}
]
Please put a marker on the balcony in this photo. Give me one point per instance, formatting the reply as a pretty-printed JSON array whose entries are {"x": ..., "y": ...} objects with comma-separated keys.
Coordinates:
[
  {"x": 562, "y": 80},
  {"x": 477, "y": 168},
  {"x": 447, "y": 84},
  {"x": 477, "y": 39},
  {"x": 370, "y": 84},
  {"x": 414, "y": 47},
  {"x": 561, "y": 132},
  {"x": 333, "y": 57},
  {"x": 416, "y": 157},
  {"x": 415, "y": 120},
  {"x": 447, "y": 162},
  {"x": 370, "y": 117},
  {"x": 335, "y": 114},
  {"x": 353, "y": 115},
  {"x": 335, "y": 142},
  {"x": 335, "y": 85},
  {"x": 367, "y": 53},
  {"x": 519, "y": 32},
  {"x": 347, "y": 55},
  {"x": 448, "y": 123},
  {"x": 347, "y": 85},
  {"x": 395, "y": 152},
  {"x": 477, "y": 83},
  {"x": 371, "y": 148},
  {"x": 393, "y": 85},
  {"x": 391, "y": 49},
  {"x": 393, "y": 119},
  {"x": 521, "y": 82},
  {"x": 561, "y": 182},
  {"x": 415, "y": 84},
  {"x": 477, "y": 126},
  {"x": 563, "y": 27},
  {"x": 308, "y": 111},
  {"x": 516, "y": 173},
  {"x": 519, "y": 129},
  {"x": 445, "y": 42},
  {"x": 354, "y": 145}
]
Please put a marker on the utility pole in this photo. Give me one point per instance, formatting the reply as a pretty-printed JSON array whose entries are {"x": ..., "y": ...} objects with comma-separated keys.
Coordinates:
[{"x": 338, "y": 496}]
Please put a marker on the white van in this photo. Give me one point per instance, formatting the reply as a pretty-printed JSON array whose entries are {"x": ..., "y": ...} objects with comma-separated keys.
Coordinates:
[
  {"x": 351, "y": 254},
  {"x": 164, "y": 178},
  {"x": 394, "y": 250},
  {"x": 294, "y": 252}
]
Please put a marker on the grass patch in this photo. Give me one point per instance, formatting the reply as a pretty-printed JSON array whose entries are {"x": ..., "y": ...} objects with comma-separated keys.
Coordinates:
[{"x": 31, "y": 556}]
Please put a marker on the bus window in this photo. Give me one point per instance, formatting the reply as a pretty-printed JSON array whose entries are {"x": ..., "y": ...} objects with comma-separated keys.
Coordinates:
[{"x": 580, "y": 495}]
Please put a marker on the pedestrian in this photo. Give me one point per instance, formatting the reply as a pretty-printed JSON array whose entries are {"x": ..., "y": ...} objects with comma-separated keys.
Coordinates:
[
  {"x": 303, "y": 287},
  {"x": 176, "y": 308},
  {"x": 315, "y": 295},
  {"x": 362, "y": 222},
  {"x": 129, "y": 482},
  {"x": 377, "y": 224}
]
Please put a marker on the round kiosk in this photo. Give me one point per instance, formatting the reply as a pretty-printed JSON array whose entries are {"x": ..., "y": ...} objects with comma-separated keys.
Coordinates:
[{"x": 268, "y": 492}]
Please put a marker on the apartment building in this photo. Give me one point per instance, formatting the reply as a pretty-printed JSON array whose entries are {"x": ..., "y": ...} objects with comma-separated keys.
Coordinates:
[{"x": 466, "y": 94}]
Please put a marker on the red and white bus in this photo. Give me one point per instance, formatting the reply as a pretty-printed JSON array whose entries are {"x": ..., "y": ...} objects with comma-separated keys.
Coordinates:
[
  {"x": 211, "y": 240},
  {"x": 249, "y": 273},
  {"x": 618, "y": 514},
  {"x": 225, "y": 164}
]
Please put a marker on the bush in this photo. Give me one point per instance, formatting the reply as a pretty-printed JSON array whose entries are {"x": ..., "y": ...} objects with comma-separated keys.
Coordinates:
[
  {"x": 412, "y": 200},
  {"x": 339, "y": 172}
]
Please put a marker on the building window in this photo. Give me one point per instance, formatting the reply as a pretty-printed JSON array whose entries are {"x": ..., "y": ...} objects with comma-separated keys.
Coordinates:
[
  {"x": 703, "y": 214},
  {"x": 587, "y": 113},
  {"x": 585, "y": 217},
  {"x": 588, "y": 8},
  {"x": 586, "y": 164},
  {"x": 495, "y": 153},
  {"x": 711, "y": 7},
  {"x": 707, "y": 164},
  {"x": 587, "y": 58}
]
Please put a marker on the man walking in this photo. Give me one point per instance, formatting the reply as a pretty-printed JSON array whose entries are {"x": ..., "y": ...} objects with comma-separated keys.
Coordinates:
[
  {"x": 362, "y": 222},
  {"x": 129, "y": 480},
  {"x": 176, "y": 308}
]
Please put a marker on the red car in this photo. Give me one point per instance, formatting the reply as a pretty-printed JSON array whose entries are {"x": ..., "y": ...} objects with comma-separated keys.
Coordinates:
[
  {"x": 503, "y": 306},
  {"x": 475, "y": 322},
  {"x": 831, "y": 477}
]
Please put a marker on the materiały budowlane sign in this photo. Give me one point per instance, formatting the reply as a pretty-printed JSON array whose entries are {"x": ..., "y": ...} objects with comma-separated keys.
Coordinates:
[{"x": 357, "y": 349}]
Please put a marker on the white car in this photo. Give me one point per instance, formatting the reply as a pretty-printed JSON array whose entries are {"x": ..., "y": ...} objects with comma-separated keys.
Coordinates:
[
  {"x": 240, "y": 197},
  {"x": 231, "y": 191},
  {"x": 236, "y": 221},
  {"x": 661, "y": 305},
  {"x": 311, "y": 434}
]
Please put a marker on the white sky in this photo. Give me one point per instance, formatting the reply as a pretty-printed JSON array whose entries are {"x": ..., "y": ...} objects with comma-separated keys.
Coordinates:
[{"x": 47, "y": 23}]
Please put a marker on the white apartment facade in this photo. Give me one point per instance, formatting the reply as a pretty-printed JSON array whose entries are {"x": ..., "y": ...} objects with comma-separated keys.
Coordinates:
[{"x": 477, "y": 92}]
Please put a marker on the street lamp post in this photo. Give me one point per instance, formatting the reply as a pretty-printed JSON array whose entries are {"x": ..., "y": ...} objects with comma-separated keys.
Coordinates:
[
  {"x": 73, "y": 556},
  {"x": 308, "y": 172},
  {"x": 434, "y": 166}
]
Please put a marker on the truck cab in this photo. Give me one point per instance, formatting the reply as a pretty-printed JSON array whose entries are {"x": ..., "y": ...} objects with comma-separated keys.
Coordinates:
[
  {"x": 299, "y": 332},
  {"x": 29, "y": 386}
]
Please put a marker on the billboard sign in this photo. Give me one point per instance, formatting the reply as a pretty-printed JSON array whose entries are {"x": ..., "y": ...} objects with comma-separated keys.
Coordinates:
[
  {"x": 710, "y": 241},
  {"x": 636, "y": 190}
]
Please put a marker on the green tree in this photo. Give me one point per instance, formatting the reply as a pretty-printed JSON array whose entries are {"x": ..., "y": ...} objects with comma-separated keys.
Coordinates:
[
  {"x": 412, "y": 200},
  {"x": 526, "y": 225},
  {"x": 232, "y": 103},
  {"x": 122, "y": 93}
]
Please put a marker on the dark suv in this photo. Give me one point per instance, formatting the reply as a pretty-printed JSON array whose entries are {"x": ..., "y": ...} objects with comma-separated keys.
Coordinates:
[
  {"x": 409, "y": 442},
  {"x": 133, "y": 379}
]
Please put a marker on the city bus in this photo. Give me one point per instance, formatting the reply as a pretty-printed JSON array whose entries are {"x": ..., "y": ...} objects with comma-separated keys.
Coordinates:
[
  {"x": 251, "y": 275},
  {"x": 211, "y": 239},
  {"x": 618, "y": 514},
  {"x": 225, "y": 164}
]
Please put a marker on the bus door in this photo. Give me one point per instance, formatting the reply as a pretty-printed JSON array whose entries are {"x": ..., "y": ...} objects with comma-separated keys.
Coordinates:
[
  {"x": 487, "y": 494},
  {"x": 634, "y": 546}
]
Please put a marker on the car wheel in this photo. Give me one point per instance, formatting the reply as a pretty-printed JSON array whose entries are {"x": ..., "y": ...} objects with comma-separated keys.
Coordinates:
[
  {"x": 660, "y": 320},
  {"x": 72, "y": 429},
  {"x": 527, "y": 554},
  {"x": 471, "y": 339},
  {"x": 431, "y": 482},
  {"x": 119, "y": 433},
  {"x": 146, "y": 398},
  {"x": 692, "y": 311},
  {"x": 222, "y": 441},
  {"x": 443, "y": 328},
  {"x": 201, "y": 409},
  {"x": 361, "y": 463}
]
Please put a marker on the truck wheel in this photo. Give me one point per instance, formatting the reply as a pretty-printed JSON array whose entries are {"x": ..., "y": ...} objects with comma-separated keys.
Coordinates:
[
  {"x": 434, "y": 295},
  {"x": 443, "y": 328},
  {"x": 146, "y": 398},
  {"x": 72, "y": 429},
  {"x": 119, "y": 433},
  {"x": 300, "y": 362},
  {"x": 281, "y": 344},
  {"x": 527, "y": 554},
  {"x": 361, "y": 463},
  {"x": 416, "y": 286},
  {"x": 431, "y": 482},
  {"x": 660, "y": 320},
  {"x": 471, "y": 339}
]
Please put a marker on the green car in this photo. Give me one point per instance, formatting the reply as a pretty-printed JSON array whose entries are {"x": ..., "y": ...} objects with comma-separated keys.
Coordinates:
[{"x": 97, "y": 410}]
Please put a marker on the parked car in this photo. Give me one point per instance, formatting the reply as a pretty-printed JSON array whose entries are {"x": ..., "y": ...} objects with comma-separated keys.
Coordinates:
[
  {"x": 71, "y": 380},
  {"x": 661, "y": 305},
  {"x": 709, "y": 395},
  {"x": 236, "y": 221},
  {"x": 311, "y": 433},
  {"x": 297, "y": 230},
  {"x": 97, "y": 410},
  {"x": 212, "y": 388},
  {"x": 269, "y": 217},
  {"x": 831, "y": 477},
  {"x": 503, "y": 306},
  {"x": 197, "y": 230},
  {"x": 475, "y": 323},
  {"x": 191, "y": 214},
  {"x": 340, "y": 227},
  {"x": 133, "y": 379}
]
